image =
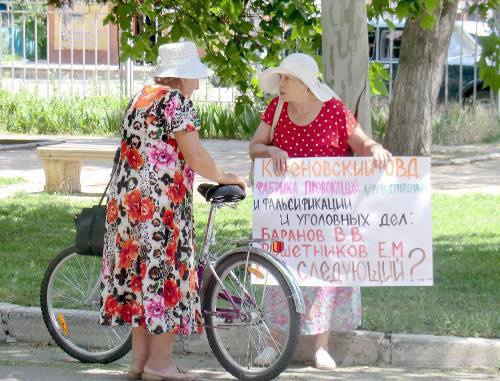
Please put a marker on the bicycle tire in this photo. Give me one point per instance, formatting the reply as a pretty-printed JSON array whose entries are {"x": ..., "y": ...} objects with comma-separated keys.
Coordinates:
[
  {"x": 56, "y": 326},
  {"x": 221, "y": 353}
]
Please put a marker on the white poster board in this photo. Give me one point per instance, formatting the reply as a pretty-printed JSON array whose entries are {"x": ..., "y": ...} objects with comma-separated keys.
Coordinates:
[{"x": 345, "y": 222}]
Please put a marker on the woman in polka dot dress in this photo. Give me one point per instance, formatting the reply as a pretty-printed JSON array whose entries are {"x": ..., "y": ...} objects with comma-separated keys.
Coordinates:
[{"x": 313, "y": 122}]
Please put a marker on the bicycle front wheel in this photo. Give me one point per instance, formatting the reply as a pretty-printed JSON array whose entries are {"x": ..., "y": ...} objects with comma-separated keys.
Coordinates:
[
  {"x": 251, "y": 319},
  {"x": 70, "y": 301}
]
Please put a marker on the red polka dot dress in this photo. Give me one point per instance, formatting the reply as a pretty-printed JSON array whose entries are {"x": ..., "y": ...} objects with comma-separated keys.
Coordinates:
[
  {"x": 324, "y": 136},
  {"x": 327, "y": 308}
]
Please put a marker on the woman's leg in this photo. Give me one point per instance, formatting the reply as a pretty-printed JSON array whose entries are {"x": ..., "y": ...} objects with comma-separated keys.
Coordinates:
[
  {"x": 140, "y": 349},
  {"x": 160, "y": 360},
  {"x": 322, "y": 340},
  {"x": 321, "y": 356}
]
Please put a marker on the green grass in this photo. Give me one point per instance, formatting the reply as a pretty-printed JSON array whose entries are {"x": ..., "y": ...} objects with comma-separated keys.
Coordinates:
[
  {"x": 9, "y": 57},
  {"x": 34, "y": 229},
  {"x": 464, "y": 300},
  {"x": 11, "y": 180}
]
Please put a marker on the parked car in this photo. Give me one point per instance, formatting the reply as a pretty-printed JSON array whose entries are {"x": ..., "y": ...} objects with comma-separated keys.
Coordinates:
[
  {"x": 475, "y": 29},
  {"x": 463, "y": 54}
]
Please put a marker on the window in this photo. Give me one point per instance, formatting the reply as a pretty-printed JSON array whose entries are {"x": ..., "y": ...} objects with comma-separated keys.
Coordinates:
[
  {"x": 385, "y": 43},
  {"x": 371, "y": 45}
]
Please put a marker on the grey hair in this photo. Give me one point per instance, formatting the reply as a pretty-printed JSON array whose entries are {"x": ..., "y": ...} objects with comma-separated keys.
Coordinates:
[{"x": 168, "y": 81}]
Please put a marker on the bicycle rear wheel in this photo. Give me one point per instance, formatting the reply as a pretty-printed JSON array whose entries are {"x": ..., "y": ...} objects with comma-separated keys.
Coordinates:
[
  {"x": 69, "y": 301},
  {"x": 261, "y": 317}
]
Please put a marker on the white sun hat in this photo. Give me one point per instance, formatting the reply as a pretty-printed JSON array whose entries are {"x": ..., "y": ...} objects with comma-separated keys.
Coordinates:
[
  {"x": 180, "y": 60},
  {"x": 302, "y": 67}
]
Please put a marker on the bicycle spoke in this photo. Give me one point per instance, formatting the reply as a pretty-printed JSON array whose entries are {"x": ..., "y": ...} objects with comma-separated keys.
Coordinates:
[
  {"x": 83, "y": 271},
  {"x": 239, "y": 342},
  {"x": 71, "y": 284},
  {"x": 72, "y": 305},
  {"x": 76, "y": 301}
]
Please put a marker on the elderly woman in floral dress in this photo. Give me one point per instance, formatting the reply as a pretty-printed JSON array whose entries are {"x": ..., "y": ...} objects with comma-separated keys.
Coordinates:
[{"x": 149, "y": 279}]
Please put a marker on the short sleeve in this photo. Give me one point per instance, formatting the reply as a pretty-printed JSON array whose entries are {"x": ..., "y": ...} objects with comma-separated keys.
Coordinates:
[
  {"x": 180, "y": 114},
  {"x": 268, "y": 115},
  {"x": 350, "y": 121}
]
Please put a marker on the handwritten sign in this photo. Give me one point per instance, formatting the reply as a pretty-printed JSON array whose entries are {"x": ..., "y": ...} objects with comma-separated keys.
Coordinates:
[{"x": 345, "y": 222}]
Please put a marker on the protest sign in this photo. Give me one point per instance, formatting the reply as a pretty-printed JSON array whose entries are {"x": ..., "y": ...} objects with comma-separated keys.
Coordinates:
[{"x": 345, "y": 222}]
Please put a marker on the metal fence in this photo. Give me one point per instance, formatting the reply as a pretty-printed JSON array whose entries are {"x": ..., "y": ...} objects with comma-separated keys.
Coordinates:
[
  {"x": 56, "y": 58},
  {"x": 69, "y": 51}
]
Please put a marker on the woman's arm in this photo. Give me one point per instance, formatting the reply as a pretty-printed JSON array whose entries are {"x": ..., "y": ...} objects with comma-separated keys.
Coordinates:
[
  {"x": 201, "y": 161},
  {"x": 362, "y": 145},
  {"x": 260, "y": 146}
]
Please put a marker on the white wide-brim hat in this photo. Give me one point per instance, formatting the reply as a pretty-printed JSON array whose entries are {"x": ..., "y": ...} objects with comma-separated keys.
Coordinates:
[
  {"x": 302, "y": 67},
  {"x": 180, "y": 60}
]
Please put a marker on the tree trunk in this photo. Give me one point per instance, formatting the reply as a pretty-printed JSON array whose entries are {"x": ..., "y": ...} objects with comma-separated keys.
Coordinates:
[
  {"x": 422, "y": 58},
  {"x": 345, "y": 55}
]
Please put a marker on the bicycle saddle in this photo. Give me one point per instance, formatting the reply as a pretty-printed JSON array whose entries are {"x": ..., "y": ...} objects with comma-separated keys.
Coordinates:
[{"x": 221, "y": 193}]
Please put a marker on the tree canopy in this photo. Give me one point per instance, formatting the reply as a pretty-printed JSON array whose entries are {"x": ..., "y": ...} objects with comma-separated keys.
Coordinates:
[
  {"x": 240, "y": 36},
  {"x": 426, "y": 10}
]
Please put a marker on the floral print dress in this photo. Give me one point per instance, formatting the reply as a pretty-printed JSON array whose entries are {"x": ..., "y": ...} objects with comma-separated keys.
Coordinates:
[
  {"x": 148, "y": 276},
  {"x": 327, "y": 308}
]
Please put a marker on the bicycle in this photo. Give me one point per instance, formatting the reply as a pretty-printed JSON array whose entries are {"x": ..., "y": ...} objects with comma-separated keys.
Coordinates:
[{"x": 234, "y": 285}]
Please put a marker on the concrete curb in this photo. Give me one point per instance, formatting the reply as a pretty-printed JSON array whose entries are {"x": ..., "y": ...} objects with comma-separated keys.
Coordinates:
[
  {"x": 357, "y": 348},
  {"x": 10, "y": 147},
  {"x": 465, "y": 160}
]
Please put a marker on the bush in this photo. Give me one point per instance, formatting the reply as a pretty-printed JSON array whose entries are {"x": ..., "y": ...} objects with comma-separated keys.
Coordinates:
[
  {"x": 466, "y": 125},
  {"x": 379, "y": 117},
  {"x": 221, "y": 122},
  {"x": 24, "y": 113},
  {"x": 453, "y": 125}
]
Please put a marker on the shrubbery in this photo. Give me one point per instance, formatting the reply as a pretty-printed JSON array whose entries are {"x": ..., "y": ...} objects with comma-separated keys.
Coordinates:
[{"x": 24, "y": 113}]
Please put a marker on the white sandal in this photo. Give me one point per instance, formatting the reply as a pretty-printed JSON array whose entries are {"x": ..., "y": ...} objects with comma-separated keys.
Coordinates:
[{"x": 323, "y": 360}]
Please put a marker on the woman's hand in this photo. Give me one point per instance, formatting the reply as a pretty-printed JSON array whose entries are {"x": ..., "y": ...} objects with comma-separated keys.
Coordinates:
[
  {"x": 201, "y": 161},
  {"x": 362, "y": 145},
  {"x": 279, "y": 158},
  {"x": 381, "y": 157},
  {"x": 231, "y": 178},
  {"x": 260, "y": 146}
]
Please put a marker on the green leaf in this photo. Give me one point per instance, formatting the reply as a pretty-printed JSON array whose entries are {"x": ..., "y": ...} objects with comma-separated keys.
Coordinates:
[
  {"x": 427, "y": 22},
  {"x": 432, "y": 5},
  {"x": 402, "y": 10},
  {"x": 378, "y": 75},
  {"x": 110, "y": 18},
  {"x": 490, "y": 77},
  {"x": 244, "y": 27},
  {"x": 175, "y": 32},
  {"x": 125, "y": 10},
  {"x": 489, "y": 62}
]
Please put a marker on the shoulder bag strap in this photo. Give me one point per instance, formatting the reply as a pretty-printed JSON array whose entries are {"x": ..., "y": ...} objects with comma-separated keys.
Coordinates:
[
  {"x": 277, "y": 114},
  {"x": 115, "y": 164}
]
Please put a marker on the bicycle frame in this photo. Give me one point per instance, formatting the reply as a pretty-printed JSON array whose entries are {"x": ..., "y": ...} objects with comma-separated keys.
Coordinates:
[{"x": 210, "y": 260}]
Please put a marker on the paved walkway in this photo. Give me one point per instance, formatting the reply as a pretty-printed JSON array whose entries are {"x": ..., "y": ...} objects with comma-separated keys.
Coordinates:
[
  {"x": 25, "y": 362},
  {"x": 479, "y": 172}
]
